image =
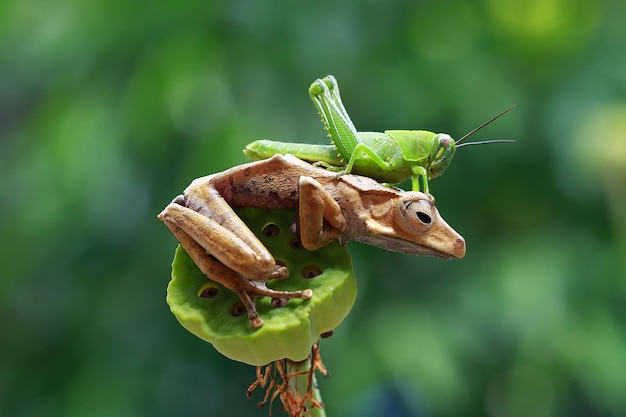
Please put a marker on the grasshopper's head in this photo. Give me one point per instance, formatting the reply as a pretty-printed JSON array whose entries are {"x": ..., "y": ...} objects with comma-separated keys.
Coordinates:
[
  {"x": 444, "y": 147},
  {"x": 441, "y": 154}
]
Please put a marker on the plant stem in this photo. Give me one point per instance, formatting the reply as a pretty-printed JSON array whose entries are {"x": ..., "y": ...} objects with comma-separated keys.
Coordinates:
[
  {"x": 317, "y": 396},
  {"x": 300, "y": 384}
]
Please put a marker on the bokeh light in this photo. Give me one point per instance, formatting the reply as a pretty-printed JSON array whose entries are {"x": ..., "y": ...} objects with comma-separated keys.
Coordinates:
[{"x": 108, "y": 109}]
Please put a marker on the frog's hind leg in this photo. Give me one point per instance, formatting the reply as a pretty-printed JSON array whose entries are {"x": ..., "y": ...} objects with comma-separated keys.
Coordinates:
[
  {"x": 247, "y": 290},
  {"x": 213, "y": 224}
]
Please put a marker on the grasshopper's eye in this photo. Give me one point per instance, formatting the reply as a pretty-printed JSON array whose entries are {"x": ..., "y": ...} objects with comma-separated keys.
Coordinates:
[{"x": 444, "y": 140}]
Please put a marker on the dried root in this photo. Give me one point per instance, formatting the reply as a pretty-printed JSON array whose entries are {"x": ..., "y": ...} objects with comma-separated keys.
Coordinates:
[{"x": 280, "y": 380}]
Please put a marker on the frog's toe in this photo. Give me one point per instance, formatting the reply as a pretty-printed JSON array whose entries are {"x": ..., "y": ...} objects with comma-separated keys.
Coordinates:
[
  {"x": 256, "y": 322},
  {"x": 281, "y": 272},
  {"x": 258, "y": 289}
]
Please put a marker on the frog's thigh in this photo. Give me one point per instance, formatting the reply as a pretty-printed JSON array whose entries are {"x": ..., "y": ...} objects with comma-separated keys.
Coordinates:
[
  {"x": 209, "y": 203},
  {"x": 222, "y": 243}
]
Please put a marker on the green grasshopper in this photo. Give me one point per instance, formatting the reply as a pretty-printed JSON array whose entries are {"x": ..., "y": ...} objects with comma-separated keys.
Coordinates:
[{"x": 390, "y": 157}]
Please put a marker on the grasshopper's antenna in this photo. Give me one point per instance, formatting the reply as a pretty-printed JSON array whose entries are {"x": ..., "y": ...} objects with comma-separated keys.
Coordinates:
[
  {"x": 481, "y": 126},
  {"x": 484, "y": 142}
]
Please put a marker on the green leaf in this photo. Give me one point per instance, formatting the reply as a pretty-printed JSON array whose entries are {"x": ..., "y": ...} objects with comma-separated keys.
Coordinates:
[{"x": 288, "y": 331}]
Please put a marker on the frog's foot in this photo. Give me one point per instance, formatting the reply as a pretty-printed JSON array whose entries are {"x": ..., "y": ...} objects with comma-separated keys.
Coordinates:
[{"x": 248, "y": 293}]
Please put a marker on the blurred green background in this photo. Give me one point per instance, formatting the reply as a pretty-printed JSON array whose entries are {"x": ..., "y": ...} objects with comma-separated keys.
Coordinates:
[{"x": 108, "y": 109}]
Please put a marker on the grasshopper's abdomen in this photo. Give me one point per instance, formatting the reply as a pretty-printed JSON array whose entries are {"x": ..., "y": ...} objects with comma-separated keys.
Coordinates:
[{"x": 264, "y": 149}]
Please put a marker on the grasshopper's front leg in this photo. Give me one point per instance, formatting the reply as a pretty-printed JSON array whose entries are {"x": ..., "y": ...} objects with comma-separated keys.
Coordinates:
[
  {"x": 224, "y": 248},
  {"x": 325, "y": 96},
  {"x": 419, "y": 172}
]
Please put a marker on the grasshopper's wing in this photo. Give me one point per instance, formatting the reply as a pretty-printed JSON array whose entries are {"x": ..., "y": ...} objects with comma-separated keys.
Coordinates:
[{"x": 414, "y": 144}]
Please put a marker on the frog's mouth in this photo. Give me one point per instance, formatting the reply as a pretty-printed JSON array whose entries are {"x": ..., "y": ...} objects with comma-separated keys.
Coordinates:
[{"x": 450, "y": 247}]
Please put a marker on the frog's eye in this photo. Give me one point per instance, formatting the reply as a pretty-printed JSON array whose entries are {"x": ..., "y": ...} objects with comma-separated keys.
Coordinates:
[
  {"x": 418, "y": 214},
  {"x": 420, "y": 210},
  {"x": 208, "y": 290},
  {"x": 423, "y": 217}
]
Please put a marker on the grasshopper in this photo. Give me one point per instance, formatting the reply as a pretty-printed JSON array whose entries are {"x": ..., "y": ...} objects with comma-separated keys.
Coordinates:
[
  {"x": 390, "y": 157},
  {"x": 347, "y": 208}
]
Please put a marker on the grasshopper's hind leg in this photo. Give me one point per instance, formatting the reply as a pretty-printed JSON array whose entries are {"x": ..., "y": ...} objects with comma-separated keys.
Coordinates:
[
  {"x": 325, "y": 96},
  {"x": 333, "y": 88}
]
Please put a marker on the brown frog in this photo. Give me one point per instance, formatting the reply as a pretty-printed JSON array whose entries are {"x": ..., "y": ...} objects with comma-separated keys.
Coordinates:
[{"x": 329, "y": 207}]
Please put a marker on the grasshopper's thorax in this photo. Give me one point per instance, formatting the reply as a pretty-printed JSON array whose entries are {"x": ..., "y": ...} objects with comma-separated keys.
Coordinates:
[{"x": 441, "y": 154}]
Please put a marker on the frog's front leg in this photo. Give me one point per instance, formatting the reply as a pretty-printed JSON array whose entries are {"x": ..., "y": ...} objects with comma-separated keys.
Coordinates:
[
  {"x": 320, "y": 219},
  {"x": 237, "y": 260}
]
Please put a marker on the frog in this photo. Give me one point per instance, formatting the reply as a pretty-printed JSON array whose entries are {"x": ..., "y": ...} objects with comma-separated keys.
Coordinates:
[{"x": 328, "y": 208}]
